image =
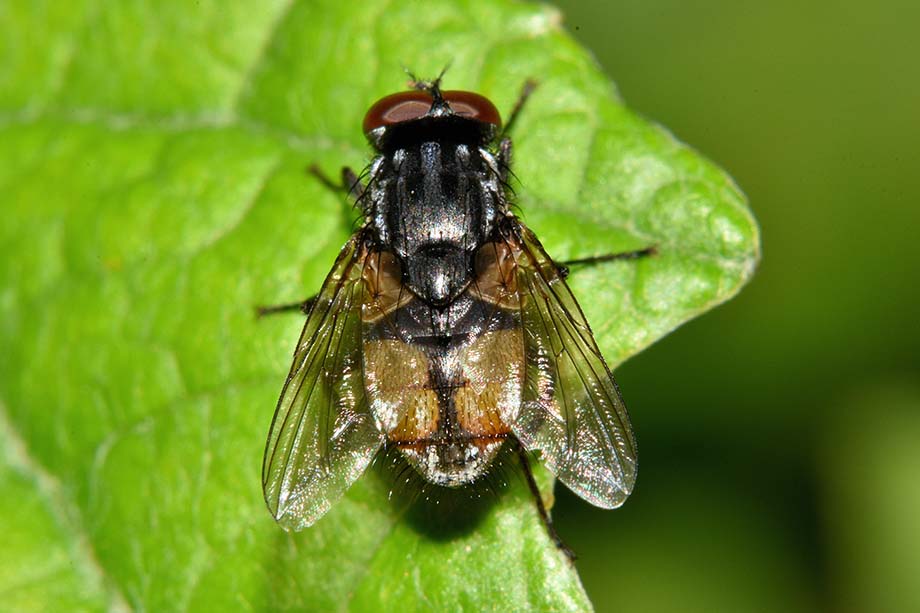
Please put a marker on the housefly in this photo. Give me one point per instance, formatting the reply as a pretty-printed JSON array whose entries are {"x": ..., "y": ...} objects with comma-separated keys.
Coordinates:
[{"x": 444, "y": 330}]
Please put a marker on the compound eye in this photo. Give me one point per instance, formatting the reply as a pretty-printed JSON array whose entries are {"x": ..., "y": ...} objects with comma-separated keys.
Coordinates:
[
  {"x": 406, "y": 106},
  {"x": 397, "y": 108},
  {"x": 473, "y": 106}
]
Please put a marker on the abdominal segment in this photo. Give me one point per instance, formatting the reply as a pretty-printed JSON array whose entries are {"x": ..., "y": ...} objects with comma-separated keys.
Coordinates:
[{"x": 445, "y": 394}]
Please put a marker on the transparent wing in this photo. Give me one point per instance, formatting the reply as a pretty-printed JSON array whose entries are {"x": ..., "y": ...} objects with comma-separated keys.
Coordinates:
[
  {"x": 322, "y": 436},
  {"x": 571, "y": 410}
]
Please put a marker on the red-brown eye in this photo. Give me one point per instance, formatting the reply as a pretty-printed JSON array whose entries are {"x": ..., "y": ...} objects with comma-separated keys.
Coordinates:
[
  {"x": 473, "y": 106},
  {"x": 406, "y": 106},
  {"x": 397, "y": 108}
]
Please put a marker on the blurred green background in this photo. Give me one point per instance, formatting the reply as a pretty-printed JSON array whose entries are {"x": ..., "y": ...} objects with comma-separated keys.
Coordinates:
[{"x": 780, "y": 434}]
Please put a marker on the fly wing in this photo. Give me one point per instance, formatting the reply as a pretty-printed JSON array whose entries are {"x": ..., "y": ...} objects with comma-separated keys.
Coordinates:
[
  {"x": 571, "y": 410},
  {"x": 322, "y": 436}
]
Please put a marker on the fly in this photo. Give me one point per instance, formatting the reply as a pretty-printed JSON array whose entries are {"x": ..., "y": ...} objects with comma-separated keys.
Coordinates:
[{"x": 444, "y": 330}]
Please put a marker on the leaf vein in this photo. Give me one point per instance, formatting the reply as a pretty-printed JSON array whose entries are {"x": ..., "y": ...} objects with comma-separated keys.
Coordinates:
[{"x": 65, "y": 511}]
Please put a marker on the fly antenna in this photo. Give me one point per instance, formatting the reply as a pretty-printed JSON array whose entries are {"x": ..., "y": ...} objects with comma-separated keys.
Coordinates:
[{"x": 433, "y": 87}]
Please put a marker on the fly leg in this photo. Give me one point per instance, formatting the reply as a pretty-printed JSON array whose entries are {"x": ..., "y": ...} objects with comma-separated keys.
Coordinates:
[
  {"x": 349, "y": 184},
  {"x": 505, "y": 151},
  {"x": 504, "y": 143},
  {"x": 526, "y": 90},
  {"x": 304, "y": 306},
  {"x": 607, "y": 257},
  {"x": 541, "y": 508}
]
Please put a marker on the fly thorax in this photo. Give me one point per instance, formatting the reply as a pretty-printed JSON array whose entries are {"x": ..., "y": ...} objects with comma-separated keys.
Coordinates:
[{"x": 433, "y": 202}]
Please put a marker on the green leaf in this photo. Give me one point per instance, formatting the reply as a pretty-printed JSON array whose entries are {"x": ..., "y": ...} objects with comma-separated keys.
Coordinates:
[{"x": 152, "y": 173}]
